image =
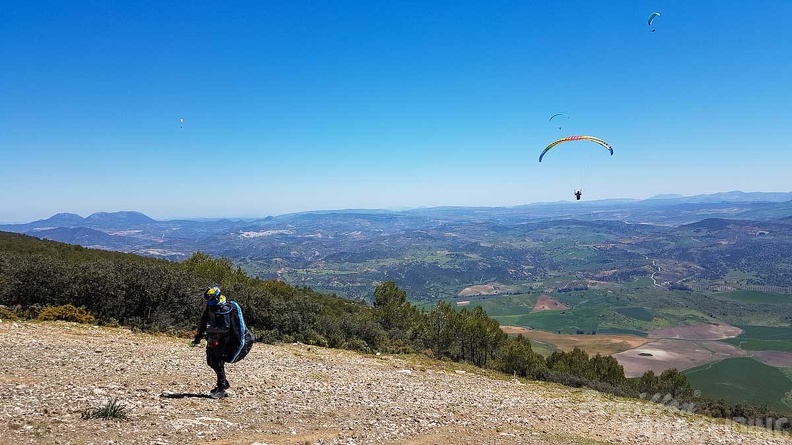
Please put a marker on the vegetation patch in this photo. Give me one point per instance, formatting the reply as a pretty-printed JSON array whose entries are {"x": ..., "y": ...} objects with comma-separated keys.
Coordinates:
[
  {"x": 764, "y": 338},
  {"x": 65, "y": 313},
  {"x": 637, "y": 313},
  {"x": 112, "y": 410},
  {"x": 750, "y": 296},
  {"x": 734, "y": 380},
  {"x": 6, "y": 314},
  {"x": 622, "y": 332},
  {"x": 571, "y": 321},
  {"x": 504, "y": 305}
]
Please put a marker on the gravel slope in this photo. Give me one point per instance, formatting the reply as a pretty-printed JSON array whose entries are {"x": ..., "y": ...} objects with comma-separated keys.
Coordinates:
[{"x": 297, "y": 394}]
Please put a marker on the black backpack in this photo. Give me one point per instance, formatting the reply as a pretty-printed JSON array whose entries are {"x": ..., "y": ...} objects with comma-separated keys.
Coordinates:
[
  {"x": 220, "y": 319},
  {"x": 227, "y": 319}
]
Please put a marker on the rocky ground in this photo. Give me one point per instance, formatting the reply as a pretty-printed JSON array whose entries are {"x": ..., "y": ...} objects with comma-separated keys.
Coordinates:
[{"x": 297, "y": 394}]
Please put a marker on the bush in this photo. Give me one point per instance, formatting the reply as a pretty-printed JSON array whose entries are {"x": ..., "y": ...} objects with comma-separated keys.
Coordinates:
[
  {"x": 29, "y": 312},
  {"x": 357, "y": 344},
  {"x": 66, "y": 313},
  {"x": 111, "y": 322},
  {"x": 516, "y": 357},
  {"x": 266, "y": 335},
  {"x": 7, "y": 314},
  {"x": 112, "y": 410},
  {"x": 311, "y": 337}
]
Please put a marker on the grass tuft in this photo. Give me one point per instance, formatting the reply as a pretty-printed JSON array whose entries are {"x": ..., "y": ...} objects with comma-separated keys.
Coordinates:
[{"x": 112, "y": 410}]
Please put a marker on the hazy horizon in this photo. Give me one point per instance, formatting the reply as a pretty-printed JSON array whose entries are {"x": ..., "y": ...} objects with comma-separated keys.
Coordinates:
[{"x": 346, "y": 209}]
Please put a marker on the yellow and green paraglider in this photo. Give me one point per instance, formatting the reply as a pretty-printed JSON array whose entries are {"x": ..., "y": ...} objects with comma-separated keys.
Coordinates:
[
  {"x": 578, "y": 192},
  {"x": 652, "y": 18},
  {"x": 577, "y": 138}
]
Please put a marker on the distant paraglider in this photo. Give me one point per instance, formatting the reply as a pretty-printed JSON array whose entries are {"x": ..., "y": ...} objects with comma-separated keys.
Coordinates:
[
  {"x": 577, "y": 138},
  {"x": 181, "y": 122},
  {"x": 557, "y": 115},
  {"x": 652, "y": 18}
]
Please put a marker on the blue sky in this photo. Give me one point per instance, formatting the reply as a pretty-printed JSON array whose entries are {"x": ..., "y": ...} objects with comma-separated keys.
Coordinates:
[{"x": 305, "y": 105}]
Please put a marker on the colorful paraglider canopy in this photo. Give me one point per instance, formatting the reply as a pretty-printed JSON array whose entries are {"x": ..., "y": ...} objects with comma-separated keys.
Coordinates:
[{"x": 577, "y": 138}]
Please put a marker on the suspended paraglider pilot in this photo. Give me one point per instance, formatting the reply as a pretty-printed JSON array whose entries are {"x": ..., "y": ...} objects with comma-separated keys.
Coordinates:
[{"x": 578, "y": 193}]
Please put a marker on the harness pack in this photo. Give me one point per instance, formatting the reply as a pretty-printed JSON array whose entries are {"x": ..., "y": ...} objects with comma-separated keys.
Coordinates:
[{"x": 228, "y": 320}]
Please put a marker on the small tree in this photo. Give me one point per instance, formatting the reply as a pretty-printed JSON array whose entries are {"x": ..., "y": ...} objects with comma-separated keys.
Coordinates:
[
  {"x": 516, "y": 356},
  {"x": 647, "y": 383},
  {"x": 392, "y": 308},
  {"x": 675, "y": 383}
]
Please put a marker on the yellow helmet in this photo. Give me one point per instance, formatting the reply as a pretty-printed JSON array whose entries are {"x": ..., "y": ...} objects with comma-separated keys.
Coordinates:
[{"x": 213, "y": 295}]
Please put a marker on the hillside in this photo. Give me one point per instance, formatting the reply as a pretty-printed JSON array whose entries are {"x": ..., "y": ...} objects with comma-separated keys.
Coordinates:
[{"x": 297, "y": 394}]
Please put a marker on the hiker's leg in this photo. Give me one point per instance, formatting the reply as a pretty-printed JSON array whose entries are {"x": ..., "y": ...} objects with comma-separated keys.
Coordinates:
[
  {"x": 217, "y": 363},
  {"x": 219, "y": 369}
]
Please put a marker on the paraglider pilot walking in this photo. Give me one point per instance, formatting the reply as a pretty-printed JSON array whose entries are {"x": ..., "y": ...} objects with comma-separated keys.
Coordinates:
[{"x": 216, "y": 322}]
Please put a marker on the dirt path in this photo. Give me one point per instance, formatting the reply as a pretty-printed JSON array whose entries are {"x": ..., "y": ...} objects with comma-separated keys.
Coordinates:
[{"x": 296, "y": 394}]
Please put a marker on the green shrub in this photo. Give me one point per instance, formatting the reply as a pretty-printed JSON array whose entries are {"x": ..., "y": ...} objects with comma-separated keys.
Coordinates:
[
  {"x": 7, "y": 314},
  {"x": 393, "y": 347},
  {"x": 266, "y": 335},
  {"x": 111, "y": 322},
  {"x": 311, "y": 337},
  {"x": 357, "y": 344},
  {"x": 65, "y": 313},
  {"x": 29, "y": 312},
  {"x": 112, "y": 410}
]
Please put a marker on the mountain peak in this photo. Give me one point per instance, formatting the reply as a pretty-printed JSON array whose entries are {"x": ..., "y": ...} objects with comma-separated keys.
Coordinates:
[
  {"x": 126, "y": 217},
  {"x": 63, "y": 219}
]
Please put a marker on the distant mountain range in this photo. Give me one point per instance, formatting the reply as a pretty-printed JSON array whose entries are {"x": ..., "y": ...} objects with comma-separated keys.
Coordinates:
[
  {"x": 350, "y": 249},
  {"x": 135, "y": 232}
]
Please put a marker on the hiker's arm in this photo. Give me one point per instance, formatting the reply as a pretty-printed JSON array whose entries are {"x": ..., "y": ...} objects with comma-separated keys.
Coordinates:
[{"x": 201, "y": 328}]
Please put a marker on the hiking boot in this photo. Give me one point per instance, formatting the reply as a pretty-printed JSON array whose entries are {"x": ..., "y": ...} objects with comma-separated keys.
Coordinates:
[
  {"x": 218, "y": 393},
  {"x": 220, "y": 387}
]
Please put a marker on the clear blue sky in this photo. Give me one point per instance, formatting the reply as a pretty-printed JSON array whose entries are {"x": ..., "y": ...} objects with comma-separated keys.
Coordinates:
[{"x": 302, "y": 105}]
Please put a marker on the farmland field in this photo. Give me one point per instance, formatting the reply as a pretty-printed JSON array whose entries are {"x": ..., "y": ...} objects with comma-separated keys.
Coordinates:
[
  {"x": 735, "y": 380},
  {"x": 748, "y": 296},
  {"x": 666, "y": 353},
  {"x": 592, "y": 344},
  {"x": 764, "y": 338},
  {"x": 637, "y": 313}
]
